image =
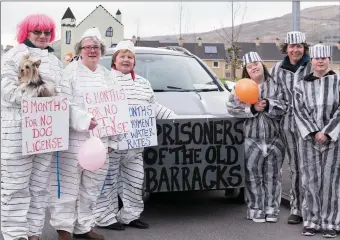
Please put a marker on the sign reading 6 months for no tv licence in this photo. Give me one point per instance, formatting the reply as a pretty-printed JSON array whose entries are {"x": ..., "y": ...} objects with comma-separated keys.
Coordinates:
[{"x": 196, "y": 154}]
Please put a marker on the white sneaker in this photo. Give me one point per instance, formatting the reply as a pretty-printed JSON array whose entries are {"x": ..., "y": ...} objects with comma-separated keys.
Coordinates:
[
  {"x": 259, "y": 220},
  {"x": 271, "y": 218}
]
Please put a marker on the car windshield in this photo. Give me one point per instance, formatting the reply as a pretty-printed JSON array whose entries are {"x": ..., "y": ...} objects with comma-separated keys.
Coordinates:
[{"x": 169, "y": 73}]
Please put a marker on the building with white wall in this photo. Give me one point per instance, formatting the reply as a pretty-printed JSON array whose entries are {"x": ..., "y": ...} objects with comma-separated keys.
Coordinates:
[{"x": 110, "y": 27}]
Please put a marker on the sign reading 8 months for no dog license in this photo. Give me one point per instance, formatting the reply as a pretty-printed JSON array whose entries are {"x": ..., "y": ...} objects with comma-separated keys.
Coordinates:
[{"x": 45, "y": 124}]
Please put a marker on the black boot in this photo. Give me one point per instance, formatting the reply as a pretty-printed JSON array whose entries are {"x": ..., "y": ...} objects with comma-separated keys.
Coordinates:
[
  {"x": 115, "y": 226},
  {"x": 138, "y": 224},
  {"x": 294, "y": 219}
]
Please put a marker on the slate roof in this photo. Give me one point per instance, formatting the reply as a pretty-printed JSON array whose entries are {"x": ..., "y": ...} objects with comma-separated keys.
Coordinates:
[{"x": 68, "y": 14}]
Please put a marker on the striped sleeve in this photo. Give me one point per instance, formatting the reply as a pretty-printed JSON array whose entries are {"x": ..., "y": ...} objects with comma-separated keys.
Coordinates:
[
  {"x": 79, "y": 118},
  {"x": 164, "y": 113},
  {"x": 239, "y": 109},
  {"x": 277, "y": 107},
  {"x": 304, "y": 122},
  {"x": 332, "y": 129},
  {"x": 10, "y": 92}
]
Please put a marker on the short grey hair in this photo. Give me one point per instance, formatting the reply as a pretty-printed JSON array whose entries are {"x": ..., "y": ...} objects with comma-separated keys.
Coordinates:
[{"x": 77, "y": 47}]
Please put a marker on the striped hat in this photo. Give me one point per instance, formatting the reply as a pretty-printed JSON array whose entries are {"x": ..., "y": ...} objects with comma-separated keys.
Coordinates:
[
  {"x": 320, "y": 51},
  {"x": 251, "y": 57},
  {"x": 295, "y": 37}
]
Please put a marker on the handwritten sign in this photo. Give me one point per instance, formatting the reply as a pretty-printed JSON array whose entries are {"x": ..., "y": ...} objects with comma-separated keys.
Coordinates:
[
  {"x": 196, "y": 154},
  {"x": 45, "y": 125},
  {"x": 109, "y": 106},
  {"x": 144, "y": 131}
]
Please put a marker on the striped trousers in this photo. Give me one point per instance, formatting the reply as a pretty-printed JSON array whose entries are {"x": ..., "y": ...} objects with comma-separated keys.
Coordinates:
[
  {"x": 24, "y": 189},
  {"x": 321, "y": 182},
  {"x": 263, "y": 175},
  {"x": 290, "y": 140},
  {"x": 125, "y": 178},
  {"x": 79, "y": 191}
]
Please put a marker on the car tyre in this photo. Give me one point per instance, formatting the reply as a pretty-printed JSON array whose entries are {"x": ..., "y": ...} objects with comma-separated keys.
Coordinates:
[{"x": 235, "y": 194}]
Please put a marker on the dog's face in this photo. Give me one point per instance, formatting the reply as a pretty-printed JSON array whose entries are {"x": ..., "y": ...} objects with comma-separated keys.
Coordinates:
[{"x": 29, "y": 70}]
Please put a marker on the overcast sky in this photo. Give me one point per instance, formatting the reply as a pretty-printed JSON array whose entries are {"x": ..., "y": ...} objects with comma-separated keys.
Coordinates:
[{"x": 154, "y": 18}]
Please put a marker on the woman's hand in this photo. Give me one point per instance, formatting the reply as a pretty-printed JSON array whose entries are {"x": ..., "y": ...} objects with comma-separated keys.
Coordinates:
[
  {"x": 93, "y": 124},
  {"x": 321, "y": 138},
  {"x": 260, "y": 106}
]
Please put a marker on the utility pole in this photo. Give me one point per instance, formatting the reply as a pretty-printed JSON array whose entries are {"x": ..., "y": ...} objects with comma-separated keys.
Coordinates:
[{"x": 296, "y": 15}]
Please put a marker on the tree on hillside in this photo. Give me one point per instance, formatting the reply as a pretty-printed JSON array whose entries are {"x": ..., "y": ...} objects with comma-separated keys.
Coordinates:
[
  {"x": 231, "y": 38},
  {"x": 183, "y": 24}
]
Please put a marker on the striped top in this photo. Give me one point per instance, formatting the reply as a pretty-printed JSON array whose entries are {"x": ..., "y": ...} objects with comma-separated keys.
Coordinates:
[
  {"x": 289, "y": 80},
  {"x": 77, "y": 79},
  {"x": 317, "y": 105},
  {"x": 262, "y": 125}
]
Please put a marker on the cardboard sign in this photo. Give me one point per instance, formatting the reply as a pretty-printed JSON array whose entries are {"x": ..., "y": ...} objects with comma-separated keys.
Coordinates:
[
  {"x": 196, "y": 154},
  {"x": 45, "y": 124},
  {"x": 109, "y": 106},
  {"x": 143, "y": 132}
]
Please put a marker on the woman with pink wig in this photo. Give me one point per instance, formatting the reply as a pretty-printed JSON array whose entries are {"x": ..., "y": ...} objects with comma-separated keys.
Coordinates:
[{"x": 25, "y": 178}]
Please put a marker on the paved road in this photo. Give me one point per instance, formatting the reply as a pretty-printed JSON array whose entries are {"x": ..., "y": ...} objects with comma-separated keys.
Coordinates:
[{"x": 200, "y": 216}]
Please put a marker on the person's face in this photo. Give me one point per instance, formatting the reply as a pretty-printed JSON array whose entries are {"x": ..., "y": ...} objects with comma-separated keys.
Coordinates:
[
  {"x": 40, "y": 39},
  {"x": 255, "y": 70},
  {"x": 295, "y": 52},
  {"x": 320, "y": 64},
  {"x": 90, "y": 52},
  {"x": 124, "y": 62}
]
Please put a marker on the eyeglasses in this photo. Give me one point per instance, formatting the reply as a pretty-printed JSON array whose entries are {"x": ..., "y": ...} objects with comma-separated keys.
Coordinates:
[
  {"x": 89, "y": 48},
  {"x": 38, "y": 33}
]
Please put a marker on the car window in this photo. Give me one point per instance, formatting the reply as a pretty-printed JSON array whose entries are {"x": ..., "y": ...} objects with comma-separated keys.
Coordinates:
[{"x": 171, "y": 73}]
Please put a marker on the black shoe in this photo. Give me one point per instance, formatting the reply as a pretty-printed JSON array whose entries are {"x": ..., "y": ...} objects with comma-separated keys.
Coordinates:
[
  {"x": 91, "y": 235},
  {"x": 115, "y": 226},
  {"x": 138, "y": 224},
  {"x": 308, "y": 231},
  {"x": 329, "y": 233},
  {"x": 294, "y": 219}
]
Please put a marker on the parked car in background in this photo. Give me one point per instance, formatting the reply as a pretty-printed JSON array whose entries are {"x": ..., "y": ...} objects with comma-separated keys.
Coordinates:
[{"x": 185, "y": 84}]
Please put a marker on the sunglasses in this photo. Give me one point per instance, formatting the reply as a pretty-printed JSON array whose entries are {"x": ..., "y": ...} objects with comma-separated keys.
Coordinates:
[
  {"x": 89, "y": 48},
  {"x": 38, "y": 33}
]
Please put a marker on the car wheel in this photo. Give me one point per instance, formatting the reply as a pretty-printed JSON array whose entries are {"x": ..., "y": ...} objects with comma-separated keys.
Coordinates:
[
  {"x": 236, "y": 194},
  {"x": 146, "y": 196}
]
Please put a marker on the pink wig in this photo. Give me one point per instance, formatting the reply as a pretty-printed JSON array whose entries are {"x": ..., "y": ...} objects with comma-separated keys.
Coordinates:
[{"x": 33, "y": 22}]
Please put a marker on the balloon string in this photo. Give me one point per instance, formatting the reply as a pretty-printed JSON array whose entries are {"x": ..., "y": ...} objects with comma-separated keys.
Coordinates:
[{"x": 58, "y": 179}]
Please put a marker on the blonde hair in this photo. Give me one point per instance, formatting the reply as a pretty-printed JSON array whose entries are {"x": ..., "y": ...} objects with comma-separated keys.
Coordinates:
[{"x": 121, "y": 51}]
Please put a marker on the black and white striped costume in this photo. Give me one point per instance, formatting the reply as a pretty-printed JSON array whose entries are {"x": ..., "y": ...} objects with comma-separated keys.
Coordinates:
[
  {"x": 80, "y": 188},
  {"x": 317, "y": 109},
  {"x": 264, "y": 150},
  {"x": 288, "y": 126},
  {"x": 126, "y": 171},
  {"x": 24, "y": 179}
]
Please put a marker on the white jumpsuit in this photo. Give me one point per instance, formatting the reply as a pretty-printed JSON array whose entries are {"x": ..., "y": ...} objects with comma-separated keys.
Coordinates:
[
  {"x": 24, "y": 186},
  {"x": 80, "y": 188},
  {"x": 317, "y": 109},
  {"x": 264, "y": 150},
  {"x": 126, "y": 171},
  {"x": 288, "y": 128}
]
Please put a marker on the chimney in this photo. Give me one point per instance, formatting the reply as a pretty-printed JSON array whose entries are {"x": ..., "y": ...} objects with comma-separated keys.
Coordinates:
[
  {"x": 277, "y": 42},
  {"x": 338, "y": 45},
  {"x": 257, "y": 41},
  {"x": 199, "y": 42},
  {"x": 180, "y": 42},
  {"x": 119, "y": 16}
]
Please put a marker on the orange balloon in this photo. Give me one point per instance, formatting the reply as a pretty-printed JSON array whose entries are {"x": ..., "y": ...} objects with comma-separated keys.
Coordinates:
[{"x": 247, "y": 91}]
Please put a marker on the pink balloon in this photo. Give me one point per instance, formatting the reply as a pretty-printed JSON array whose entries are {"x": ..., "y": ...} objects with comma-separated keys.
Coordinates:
[{"x": 92, "y": 154}]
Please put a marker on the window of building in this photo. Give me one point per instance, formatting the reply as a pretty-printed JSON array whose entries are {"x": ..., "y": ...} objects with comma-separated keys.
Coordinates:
[
  {"x": 210, "y": 49},
  {"x": 68, "y": 37},
  {"x": 109, "y": 32},
  {"x": 216, "y": 64}
]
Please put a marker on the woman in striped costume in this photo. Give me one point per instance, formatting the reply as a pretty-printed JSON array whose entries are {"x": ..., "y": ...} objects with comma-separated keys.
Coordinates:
[
  {"x": 317, "y": 114},
  {"x": 80, "y": 188},
  {"x": 24, "y": 179},
  {"x": 264, "y": 150},
  {"x": 289, "y": 71},
  {"x": 126, "y": 172}
]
